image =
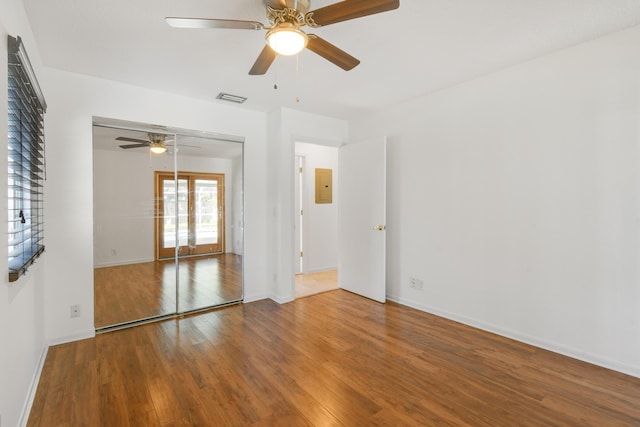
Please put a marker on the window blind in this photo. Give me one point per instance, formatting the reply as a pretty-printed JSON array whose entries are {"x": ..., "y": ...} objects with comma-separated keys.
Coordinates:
[{"x": 26, "y": 161}]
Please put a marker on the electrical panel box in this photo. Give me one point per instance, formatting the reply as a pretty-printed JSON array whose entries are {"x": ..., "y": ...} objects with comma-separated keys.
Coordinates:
[{"x": 324, "y": 186}]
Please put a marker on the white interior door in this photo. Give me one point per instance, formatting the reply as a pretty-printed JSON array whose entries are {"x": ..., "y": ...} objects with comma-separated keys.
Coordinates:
[{"x": 362, "y": 219}]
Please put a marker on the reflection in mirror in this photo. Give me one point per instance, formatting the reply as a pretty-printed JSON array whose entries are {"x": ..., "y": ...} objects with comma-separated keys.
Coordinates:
[
  {"x": 151, "y": 208},
  {"x": 210, "y": 222}
]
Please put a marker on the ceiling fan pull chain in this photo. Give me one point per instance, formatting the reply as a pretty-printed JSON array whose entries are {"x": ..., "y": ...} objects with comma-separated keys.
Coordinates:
[
  {"x": 275, "y": 83},
  {"x": 297, "y": 77}
]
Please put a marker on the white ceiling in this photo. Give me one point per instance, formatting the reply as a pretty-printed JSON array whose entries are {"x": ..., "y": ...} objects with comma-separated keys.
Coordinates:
[{"x": 424, "y": 46}]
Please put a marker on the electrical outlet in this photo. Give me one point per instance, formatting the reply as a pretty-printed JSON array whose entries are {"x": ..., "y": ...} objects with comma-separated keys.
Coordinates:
[
  {"x": 416, "y": 283},
  {"x": 75, "y": 311},
  {"x": 412, "y": 282}
]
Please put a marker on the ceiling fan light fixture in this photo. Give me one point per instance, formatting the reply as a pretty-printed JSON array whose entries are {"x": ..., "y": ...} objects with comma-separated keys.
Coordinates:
[
  {"x": 286, "y": 39},
  {"x": 157, "y": 148}
]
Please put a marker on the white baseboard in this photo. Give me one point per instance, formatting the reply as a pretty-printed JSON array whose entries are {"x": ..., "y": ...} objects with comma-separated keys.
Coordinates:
[
  {"x": 123, "y": 262},
  {"x": 258, "y": 297},
  {"x": 320, "y": 270},
  {"x": 524, "y": 338},
  {"x": 252, "y": 298},
  {"x": 33, "y": 387},
  {"x": 281, "y": 299},
  {"x": 73, "y": 337}
]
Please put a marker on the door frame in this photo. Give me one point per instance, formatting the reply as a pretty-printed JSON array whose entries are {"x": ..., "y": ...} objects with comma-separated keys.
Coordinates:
[{"x": 299, "y": 215}]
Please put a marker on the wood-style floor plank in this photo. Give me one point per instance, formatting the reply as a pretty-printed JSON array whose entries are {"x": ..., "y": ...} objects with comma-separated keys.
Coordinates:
[
  {"x": 130, "y": 292},
  {"x": 332, "y": 359}
]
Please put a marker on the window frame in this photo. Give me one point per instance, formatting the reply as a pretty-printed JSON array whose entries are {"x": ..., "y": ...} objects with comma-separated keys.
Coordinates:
[{"x": 26, "y": 166}]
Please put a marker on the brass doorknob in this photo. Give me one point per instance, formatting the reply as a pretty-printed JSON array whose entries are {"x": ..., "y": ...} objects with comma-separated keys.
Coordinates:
[{"x": 379, "y": 228}]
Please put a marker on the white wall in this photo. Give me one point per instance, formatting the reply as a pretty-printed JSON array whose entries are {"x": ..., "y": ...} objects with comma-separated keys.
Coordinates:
[
  {"x": 516, "y": 198},
  {"x": 123, "y": 202},
  {"x": 123, "y": 192},
  {"x": 21, "y": 302},
  {"x": 285, "y": 128},
  {"x": 74, "y": 99},
  {"x": 320, "y": 221}
]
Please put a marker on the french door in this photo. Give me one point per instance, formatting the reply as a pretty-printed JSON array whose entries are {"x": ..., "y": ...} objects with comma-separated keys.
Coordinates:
[{"x": 189, "y": 214}]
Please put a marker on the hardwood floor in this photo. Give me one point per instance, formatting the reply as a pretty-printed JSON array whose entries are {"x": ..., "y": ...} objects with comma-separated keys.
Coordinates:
[
  {"x": 137, "y": 291},
  {"x": 314, "y": 283},
  {"x": 329, "y": 359}
]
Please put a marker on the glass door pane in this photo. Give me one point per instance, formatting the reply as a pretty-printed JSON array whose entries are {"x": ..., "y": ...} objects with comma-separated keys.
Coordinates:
[
  {"x": 206, "y": 213},
  {"x": 183, "y": 216},
  {"x": 174, "y": 209},
  {"x": 207, "y": 220}
]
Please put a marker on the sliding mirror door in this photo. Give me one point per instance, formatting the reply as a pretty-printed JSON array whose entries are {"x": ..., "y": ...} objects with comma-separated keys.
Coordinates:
[
  {"x": 129, "y": 283},
  {"x": 210, "y": 222},
  {"x": 167, "y": 226}
]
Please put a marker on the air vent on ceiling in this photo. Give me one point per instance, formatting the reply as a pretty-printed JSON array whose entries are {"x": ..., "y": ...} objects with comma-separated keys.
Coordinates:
[{"x": 231, "y": 98}]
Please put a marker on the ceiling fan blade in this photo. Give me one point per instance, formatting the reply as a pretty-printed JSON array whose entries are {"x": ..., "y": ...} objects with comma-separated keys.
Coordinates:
[
  {"x": 124, "y": 138},
  {"x": 331, "y": 53},
  {"x": 350, "y": 9},
  {"x": 264, "y": 61},
  {"x": 275, "y": 4},
  {"x": 213, "y": 23},
  {"x": 134, "y": 146}
]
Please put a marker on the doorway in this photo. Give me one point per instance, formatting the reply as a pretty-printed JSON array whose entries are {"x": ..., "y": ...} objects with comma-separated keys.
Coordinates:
[
  {"x": 197, "y": 204},
  {"x": 316, "y": 226}
]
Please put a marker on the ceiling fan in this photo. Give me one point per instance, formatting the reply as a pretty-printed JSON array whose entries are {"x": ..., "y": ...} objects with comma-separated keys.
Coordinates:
[
  {"x": 157, "y": 142},
  {"x": 284, "y": 35}
]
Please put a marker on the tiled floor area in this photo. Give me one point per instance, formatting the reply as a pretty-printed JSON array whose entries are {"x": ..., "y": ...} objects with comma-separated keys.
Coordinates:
[{"x": 314, "y": 283}]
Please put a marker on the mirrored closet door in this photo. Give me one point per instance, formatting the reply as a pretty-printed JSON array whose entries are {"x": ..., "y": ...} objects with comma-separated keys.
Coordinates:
[
  {"x": 210, "y": 246},
  {"x": 168, "y": 222}
]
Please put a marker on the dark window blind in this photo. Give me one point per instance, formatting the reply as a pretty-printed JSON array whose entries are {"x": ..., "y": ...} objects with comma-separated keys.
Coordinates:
[{"x": 26, "y": 161}]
